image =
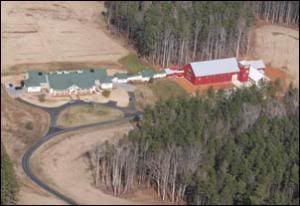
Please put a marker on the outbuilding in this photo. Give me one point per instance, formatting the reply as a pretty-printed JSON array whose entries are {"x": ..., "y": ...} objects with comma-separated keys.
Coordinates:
[{"x": 256, "y": 64}]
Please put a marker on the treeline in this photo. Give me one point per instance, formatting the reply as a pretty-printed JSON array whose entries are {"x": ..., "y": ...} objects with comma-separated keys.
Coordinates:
[
  {"x": 176, "y": 32},
  {"x": 282, "y": 12},
  {"x": 9, "y": 186},
  {"x": 241, "y": 148}
]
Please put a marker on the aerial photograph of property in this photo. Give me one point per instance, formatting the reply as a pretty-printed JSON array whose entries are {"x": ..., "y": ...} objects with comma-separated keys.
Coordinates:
[{"x": 150, "y": 103}]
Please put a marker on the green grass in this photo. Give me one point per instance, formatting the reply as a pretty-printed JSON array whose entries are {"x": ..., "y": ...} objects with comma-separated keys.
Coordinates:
[
  {"x": 133, "y": 64},
  {"x": 87, "y": 114},
  {"x": 9, "y": 185},
  {"x": 166, "y": 89}
]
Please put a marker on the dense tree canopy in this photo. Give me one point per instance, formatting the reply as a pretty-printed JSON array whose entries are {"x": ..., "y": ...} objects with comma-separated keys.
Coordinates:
[
  {"x": 175, "y": 32},
  {"x": 241, "y": 148}
]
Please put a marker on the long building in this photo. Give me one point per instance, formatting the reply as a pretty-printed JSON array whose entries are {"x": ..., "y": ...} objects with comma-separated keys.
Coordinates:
[
  {"x": 68, "y": 82},
  {"x": 215, "y": 71}
]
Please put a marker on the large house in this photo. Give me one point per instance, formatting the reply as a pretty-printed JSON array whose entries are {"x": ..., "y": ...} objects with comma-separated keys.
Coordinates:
[
  {"x": 215, "y": 71},
  {"x": 68, "y": 82}
]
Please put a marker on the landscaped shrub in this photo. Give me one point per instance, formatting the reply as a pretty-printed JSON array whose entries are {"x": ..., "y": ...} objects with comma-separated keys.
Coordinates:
[{"x": 106, "y": 93}]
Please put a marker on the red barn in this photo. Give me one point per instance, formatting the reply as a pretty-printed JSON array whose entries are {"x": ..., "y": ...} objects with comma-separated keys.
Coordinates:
[{"x": 215, "y": 71}]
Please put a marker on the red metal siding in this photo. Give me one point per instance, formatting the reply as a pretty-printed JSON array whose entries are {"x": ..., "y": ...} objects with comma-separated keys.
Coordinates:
[
  {"x": 214, "y": 78},
  {"x": 243, "y": 74},
  {"x": 189, "y": 75}
]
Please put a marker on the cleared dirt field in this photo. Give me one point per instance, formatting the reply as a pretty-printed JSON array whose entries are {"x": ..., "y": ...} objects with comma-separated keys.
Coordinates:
[
  {"x": 43, "y": 32},
  {"x": 279, "y": 47},
  {"x": 64, "y": 163},
  {"x": 274, "y": 74},
  {"x": 191, "y": 89},
  {"x": 86, "y": 114}
]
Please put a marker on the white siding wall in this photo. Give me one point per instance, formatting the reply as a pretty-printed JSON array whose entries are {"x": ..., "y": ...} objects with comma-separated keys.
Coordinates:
[
  {"x": 34, "y": 89},
  {"x": 106, "y": 86},
  {"x": 156, "y": 76}
]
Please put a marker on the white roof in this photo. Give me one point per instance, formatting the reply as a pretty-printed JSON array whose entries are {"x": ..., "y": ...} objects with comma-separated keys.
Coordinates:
[
  {"x": 212, "y": 67},
  {"x": 255, "y": 75},
  {"x": 257, "y": 64},
  {"x": 170, "y": 71}
]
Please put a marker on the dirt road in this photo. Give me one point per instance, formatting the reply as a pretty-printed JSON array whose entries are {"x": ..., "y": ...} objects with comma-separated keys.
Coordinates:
[{"x": 42, "y": 32}]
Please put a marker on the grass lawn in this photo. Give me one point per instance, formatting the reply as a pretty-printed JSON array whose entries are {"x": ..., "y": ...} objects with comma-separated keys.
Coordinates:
[
  {"x": 165, "y": 89},
  {"x": 87, "y": 114},
  {"x": 133, "y": 64}
]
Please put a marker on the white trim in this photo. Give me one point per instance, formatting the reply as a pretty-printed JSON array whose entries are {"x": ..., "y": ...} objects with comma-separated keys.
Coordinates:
[{"x": 34, "y": 89}]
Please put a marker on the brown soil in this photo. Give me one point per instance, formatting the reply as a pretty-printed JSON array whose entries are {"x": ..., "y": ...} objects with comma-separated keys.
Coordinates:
[
  {"x": 62, "y": 32},
  {"x": 274, "y": 74},
  {"x": 278, "y": 46}
]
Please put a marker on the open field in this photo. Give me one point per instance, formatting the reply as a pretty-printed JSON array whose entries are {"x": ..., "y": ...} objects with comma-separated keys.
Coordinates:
[
  {"x": 144, "y": 97},
  {"x": 44, "y": 32},
  {"x": 279, "y": 47},
  {"x": 148, "y": 94},
  {"x": 133, "y": 64},
  {"x": 86, "y": 114},
  {"x": 165, "y": 89},
  {"x": 191, "y": 89},
  {"x": 64, "y": 163}
]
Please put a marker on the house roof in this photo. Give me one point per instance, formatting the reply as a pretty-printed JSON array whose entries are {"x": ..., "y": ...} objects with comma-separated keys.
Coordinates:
[
  {"x": 255, "y": 75},
  {"x": 84, "y": 80},
  {"x": 106, "y": 80},
  {"x": 147, "y": 73},
  {"x": 257, "y": 64},
  {"x": 63, "y": 80},
  {"x": 213, "y": 67},
  {"x": 35, "y": 79},
  {"x": 161, "y": 72},
  {"x": 121, "y": 75}
]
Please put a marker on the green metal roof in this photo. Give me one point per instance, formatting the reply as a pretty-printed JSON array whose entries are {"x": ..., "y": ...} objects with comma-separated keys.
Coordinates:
[
  {"x": 84, "y": 79},
  {"x": 161, "y": 72},
  {"x": 121, "y": 75},
  {"x": 147, "y": 73},
  {"x": 35, "y": 79},
  {"x": 107, "y": 80}
]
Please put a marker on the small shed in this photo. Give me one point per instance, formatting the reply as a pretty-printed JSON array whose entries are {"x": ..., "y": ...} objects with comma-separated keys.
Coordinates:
[{"x": 255, "y": 76}]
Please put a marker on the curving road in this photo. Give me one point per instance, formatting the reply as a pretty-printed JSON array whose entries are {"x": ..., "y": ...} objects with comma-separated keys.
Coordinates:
[{"x": 54, "y": 131}]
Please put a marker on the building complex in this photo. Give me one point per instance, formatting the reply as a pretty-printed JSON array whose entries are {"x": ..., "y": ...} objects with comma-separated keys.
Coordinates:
[{"x": 90, "y": 80}]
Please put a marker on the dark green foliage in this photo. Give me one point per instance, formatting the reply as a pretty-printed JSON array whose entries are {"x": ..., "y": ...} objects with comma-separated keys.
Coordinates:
[
  {"x": 9, "y": 186},
  {"x": 226, "y": 148},
  {"x": 177, "y": 32}
]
